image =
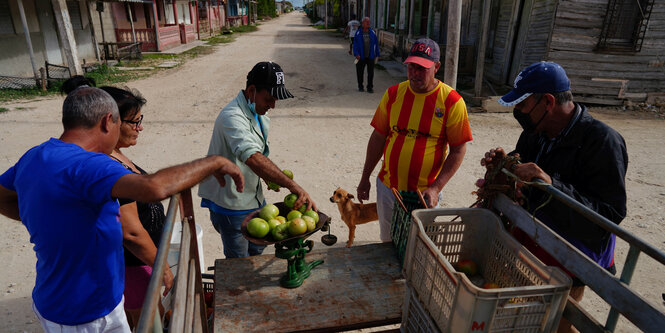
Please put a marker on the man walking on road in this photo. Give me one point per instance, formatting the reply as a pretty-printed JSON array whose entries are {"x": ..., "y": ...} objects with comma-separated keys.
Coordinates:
[
  {"x": 366, "y": 51},
  {"x": 350, "y": 31},
  {"x": 241, "y": 135},
  {"x": 65, "y": 192},
  {"x": 414, "y": 124}
]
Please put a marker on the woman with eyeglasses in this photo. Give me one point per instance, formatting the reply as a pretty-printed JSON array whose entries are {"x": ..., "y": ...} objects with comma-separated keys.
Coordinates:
[{"x": 142, "y": 222}]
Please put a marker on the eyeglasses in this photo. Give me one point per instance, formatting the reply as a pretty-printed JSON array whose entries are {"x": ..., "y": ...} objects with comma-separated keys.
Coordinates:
[{"x": 135, "y": 124}]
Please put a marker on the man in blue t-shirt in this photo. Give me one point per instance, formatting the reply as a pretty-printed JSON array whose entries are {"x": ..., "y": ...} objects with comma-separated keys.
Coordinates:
[{"x": 64, "y": 191}]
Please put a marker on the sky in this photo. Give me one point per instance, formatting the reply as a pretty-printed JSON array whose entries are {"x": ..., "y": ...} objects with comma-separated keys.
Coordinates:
[{"x": 297, "y": 3}]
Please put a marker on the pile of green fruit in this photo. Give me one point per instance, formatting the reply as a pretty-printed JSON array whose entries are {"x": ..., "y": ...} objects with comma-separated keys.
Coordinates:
[{"x": 272, "y": 226}]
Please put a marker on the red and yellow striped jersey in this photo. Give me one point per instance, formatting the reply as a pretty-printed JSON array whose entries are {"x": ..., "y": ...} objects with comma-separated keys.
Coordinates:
[{"x": 419, "y": 128}]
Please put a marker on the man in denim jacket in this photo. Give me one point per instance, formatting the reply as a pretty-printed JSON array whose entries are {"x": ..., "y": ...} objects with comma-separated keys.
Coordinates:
[{"x": 241, "y": 135}]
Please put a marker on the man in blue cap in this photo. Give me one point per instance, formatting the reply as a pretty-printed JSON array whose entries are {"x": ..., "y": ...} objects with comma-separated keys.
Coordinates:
[{"x": 563, "y": 145}]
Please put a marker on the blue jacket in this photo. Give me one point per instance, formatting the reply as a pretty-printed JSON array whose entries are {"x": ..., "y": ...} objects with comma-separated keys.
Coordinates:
[{"x": 359, "y": 45}]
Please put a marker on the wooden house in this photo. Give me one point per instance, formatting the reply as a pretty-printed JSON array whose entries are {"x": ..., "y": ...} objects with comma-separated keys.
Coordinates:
[
  {"x": 212, "y": 17},
  {"x": 60, "y": 33},
  {"x": 612, "y": 50},
  {"x": 238, "y": 12},
  {"x": 157, "y": 24}
]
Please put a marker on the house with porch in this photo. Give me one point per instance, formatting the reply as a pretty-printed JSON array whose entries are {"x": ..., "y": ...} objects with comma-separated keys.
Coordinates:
[
  {"x": 238, "y": 12},
  {"x": 157, "y": 24},
  {"x": 52, "y": 36},
  {"x": 212, "y": 17}
]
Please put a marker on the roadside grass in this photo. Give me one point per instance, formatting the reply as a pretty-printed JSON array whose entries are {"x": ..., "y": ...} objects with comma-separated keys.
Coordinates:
[
  {"x": 7, "y": 95},
  {"x": 3, "y": 109},
  {"x": 244, "y": 28},
  {"x": 111, "y": 75},
  {"x": 220, "y": 39}
]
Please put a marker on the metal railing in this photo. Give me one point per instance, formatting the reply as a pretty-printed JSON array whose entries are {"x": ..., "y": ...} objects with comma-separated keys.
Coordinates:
[
  {"x": 615, "y": 291},
  {"x": 187, "y": 301}
]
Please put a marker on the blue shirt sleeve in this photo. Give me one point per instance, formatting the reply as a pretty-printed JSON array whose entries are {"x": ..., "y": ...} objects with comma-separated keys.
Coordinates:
[
  {"x": 95, "y": 176},
  {"x": 7, "y": 179}
]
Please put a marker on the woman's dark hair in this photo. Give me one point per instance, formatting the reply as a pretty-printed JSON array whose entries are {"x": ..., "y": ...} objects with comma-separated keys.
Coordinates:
[
  {"x": 129, "y": 100},
  {"x": 76, "y": 81}
]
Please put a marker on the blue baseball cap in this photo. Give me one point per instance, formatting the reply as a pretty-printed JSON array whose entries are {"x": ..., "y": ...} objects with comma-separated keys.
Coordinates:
[{"x": 539, "y": 78}]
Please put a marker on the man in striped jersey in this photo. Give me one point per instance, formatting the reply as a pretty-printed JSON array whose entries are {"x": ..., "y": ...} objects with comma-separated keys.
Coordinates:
[{"x": 414, "y": 124}]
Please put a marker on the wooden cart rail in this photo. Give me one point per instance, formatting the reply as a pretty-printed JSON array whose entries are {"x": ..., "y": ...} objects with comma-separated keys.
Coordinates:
[
  {"x": 187, "y": 301},
  {"x": 614, "y": 291}
]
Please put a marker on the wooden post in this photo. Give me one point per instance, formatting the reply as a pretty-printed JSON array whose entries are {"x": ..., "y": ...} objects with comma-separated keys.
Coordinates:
[
  {"x": 386, "y": 10},
  {"x": 325, "y": 13},
  {"x": 131, "y": 20},
  {"x": 452, "y": 47},
  {"x": 154, "y": 15},
  {"x": 28, "y": 40},
  {"x": 101, "y": 26},
  {"x": 376, "y": 14},
  {"x": 413, "y": 6},
  {"x": 208, "y": 11},
  {"x": 92, "y": 30},
  {"x": 482, "y": 45},
  {"x": 228, "y": 12},
  {"x": 175, "y": 12},
  {"x": 196, "y": 11},
  {"x": 66, "y": 34},
  {"x": 42, "y": 71},
  {"x": 219, "y": 16},
  {"x": 398, "y": 36},
  {"x": 430, "y": 17}
]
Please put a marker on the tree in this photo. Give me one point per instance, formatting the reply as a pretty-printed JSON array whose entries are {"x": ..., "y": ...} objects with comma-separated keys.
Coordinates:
[{"x": 266, "y": 8}]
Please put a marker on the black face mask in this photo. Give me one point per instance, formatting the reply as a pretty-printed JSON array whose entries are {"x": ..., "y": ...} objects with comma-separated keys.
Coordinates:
[{"x": 524, "y": 119}]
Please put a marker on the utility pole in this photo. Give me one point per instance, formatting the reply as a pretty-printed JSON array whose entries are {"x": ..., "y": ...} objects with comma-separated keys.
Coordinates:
[{"x": 452, "y": 49}]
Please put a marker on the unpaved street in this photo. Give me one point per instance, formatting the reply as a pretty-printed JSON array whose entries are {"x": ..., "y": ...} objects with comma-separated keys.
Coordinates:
[{"x": 321, "y": 135}]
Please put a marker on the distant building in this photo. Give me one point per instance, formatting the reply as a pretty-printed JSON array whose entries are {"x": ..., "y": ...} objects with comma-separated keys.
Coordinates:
[
  {"x": 96, "y": 24},
  {"x": 612, "y": 50},
  {"x": 46, "y": 42}
]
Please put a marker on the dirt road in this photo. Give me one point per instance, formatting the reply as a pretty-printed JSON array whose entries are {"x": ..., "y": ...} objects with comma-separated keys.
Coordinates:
[{"x": 321, "y": 135}]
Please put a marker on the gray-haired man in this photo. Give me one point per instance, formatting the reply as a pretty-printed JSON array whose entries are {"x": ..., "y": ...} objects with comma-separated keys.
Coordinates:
[{"x": 64, "y": 191}]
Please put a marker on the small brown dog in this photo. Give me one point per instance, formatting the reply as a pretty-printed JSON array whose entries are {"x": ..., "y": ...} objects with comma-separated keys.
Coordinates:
[{"x": 353, "y": 213}]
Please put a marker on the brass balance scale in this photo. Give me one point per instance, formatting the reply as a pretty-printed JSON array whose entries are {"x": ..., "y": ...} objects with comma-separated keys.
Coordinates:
[{"x": 294, "y": 248}]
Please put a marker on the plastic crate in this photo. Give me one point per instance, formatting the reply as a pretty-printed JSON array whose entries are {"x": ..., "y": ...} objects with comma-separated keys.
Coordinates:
[
  {"x": 400, "y": 222},
  {"x": 531, "y": 298},
  {"x": 415, "y": 318},
  {"x": 208, "y": 282}
]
